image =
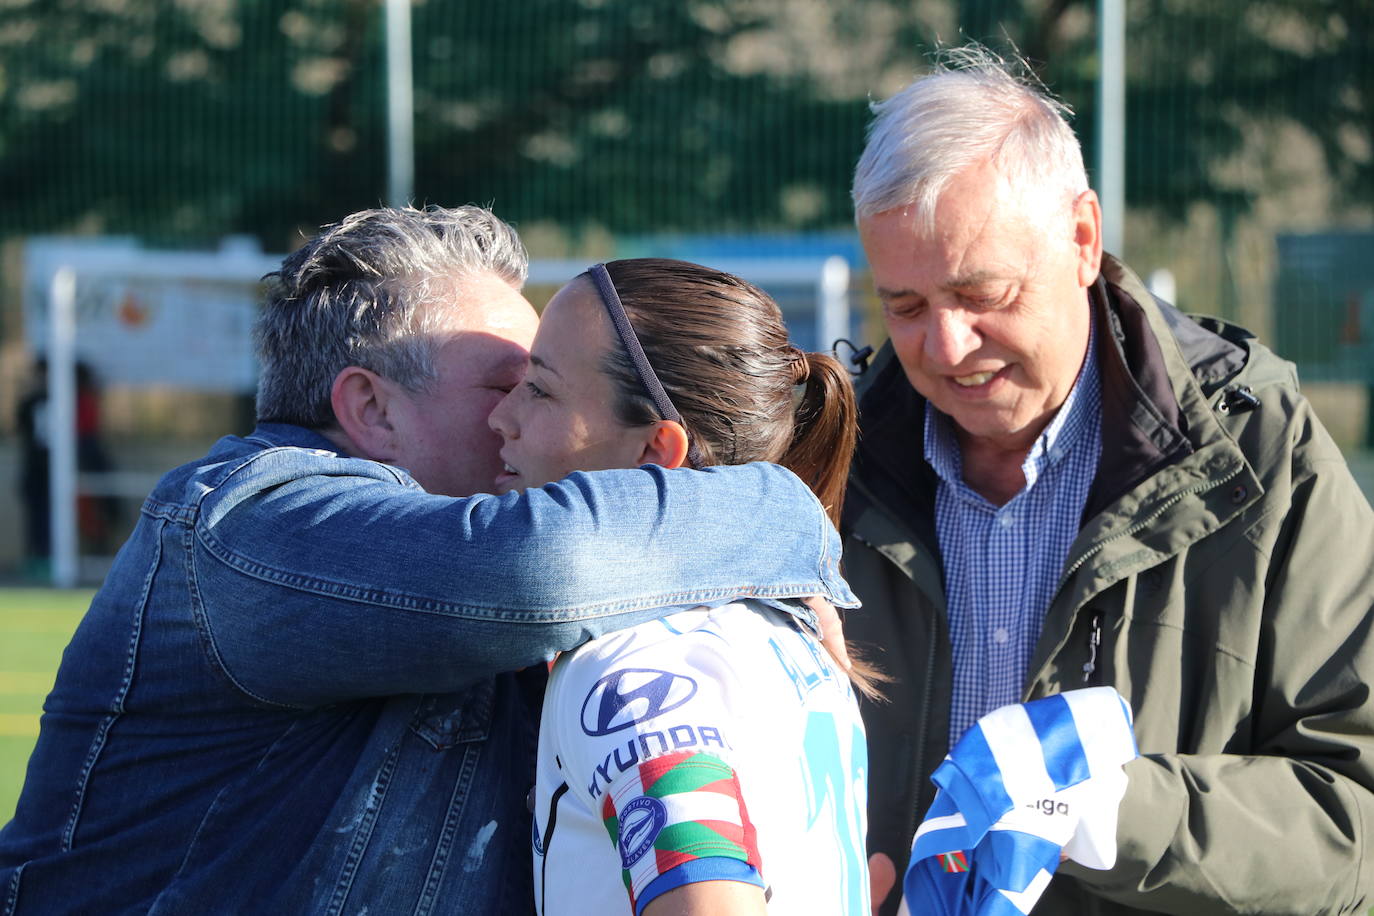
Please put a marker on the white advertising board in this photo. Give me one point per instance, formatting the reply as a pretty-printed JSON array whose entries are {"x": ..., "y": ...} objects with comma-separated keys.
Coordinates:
[{"x": 146, "y": 317}]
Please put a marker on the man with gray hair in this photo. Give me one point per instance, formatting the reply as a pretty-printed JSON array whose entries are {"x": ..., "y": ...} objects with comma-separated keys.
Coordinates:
[
  {"x": 1064, "y": 482},
  {"x": 293, "y": 692}
]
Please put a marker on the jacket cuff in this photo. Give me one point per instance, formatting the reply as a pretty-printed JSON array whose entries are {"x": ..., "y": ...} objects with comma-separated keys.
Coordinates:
[{"x": 1147, "y": 823}]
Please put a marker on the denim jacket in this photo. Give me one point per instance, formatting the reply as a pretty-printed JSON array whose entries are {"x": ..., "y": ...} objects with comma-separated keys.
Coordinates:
[{"x": 293, "y": 693}]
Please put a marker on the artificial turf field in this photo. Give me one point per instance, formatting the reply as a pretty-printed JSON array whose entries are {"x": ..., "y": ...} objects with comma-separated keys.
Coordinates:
[{"x": 35, "y": 625}]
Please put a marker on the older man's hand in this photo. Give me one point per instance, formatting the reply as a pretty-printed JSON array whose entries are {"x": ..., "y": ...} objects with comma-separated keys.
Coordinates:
[{"x": 882, "y": 875}]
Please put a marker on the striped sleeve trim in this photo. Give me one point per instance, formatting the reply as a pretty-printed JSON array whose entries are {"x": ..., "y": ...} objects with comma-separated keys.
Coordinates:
[
  {"x": 674, "y": 811},
  {"x": 712, "y": 869}
]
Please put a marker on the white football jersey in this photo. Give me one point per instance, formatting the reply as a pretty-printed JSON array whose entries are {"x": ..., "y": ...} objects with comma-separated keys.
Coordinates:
[{"x": 714, "y": 744}]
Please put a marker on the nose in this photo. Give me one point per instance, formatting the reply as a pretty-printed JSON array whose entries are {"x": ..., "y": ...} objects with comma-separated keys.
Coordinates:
[
  {"x": 950, "y": 336},
  {"x": 502, "y": 416}
]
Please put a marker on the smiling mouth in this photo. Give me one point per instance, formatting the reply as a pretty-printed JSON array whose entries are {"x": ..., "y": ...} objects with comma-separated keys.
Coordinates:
[{"x": 973, "y": 380}]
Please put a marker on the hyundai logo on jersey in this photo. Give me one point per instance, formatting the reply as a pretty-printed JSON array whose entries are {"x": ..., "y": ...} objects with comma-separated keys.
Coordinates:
[
  {"x": 640, "y": 823},
  {"x": 630, "y": 695}
]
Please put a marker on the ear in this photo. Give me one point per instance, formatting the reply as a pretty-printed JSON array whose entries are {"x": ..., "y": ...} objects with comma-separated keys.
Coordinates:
[
  {"x": 361, "y": 399},
  {"x": 666, "y": 445},
  {"x": 1087, "y": 237}
]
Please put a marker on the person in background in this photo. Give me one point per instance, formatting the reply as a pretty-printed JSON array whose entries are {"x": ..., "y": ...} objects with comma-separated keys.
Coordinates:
[
  {"x": 713, "y": 761},
  {"x": 97, "y": 516},
  {"x": 311, "y": 680},
  {"x": 31, "y": 424},
  {"x": 1064, "y": 482}
]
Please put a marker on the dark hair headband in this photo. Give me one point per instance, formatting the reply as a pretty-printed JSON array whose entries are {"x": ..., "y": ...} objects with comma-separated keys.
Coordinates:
[{"x": 647, "y": 377}]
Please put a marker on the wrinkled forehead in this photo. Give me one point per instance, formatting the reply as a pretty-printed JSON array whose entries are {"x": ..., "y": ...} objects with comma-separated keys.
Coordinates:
[{"x": 974, "y": 209}]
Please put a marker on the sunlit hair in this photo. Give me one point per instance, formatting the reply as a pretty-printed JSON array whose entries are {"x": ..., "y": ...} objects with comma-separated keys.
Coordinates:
[
  {"x": 719, "y": 346},
  {"x": 973, "y": 108},
  {"x": 369, "y": 291}
]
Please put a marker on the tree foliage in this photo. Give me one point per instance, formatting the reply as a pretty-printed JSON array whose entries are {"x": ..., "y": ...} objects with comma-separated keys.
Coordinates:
[{"x": 184, "y": 121}]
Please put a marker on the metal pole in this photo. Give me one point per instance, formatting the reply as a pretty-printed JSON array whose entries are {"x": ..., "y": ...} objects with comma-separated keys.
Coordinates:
[
  {"x": 1111, "y": 122},
  {"x": 400, "y": 108},
  {"x": 1369, "y": 419},
  {"x": 62, "y": 426},
  {"x": 832, "y": 317}
]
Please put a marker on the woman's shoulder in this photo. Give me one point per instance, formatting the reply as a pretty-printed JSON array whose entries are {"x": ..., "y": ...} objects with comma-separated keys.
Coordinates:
[
  {"x": 694, "y": 633},
  {"x": 736, "y": 653},
  {"x": 654, "y": 643}
]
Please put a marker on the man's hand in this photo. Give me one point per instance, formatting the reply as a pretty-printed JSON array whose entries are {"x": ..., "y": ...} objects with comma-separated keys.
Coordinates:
[
  {"x": 832, "y": 632},
  {"x": 882, "y": 875}
]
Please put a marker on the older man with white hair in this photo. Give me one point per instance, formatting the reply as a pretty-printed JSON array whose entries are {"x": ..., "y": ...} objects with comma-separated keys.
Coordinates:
[{"x": 1065, "y": 482}]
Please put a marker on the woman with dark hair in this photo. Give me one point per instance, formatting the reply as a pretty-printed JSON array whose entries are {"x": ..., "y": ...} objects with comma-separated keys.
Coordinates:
[{"x": 720, "y": 748}]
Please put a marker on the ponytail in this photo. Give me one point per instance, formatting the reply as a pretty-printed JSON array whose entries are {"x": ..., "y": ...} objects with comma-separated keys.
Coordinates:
[
  {"x": 824, "y": 434},
  {"x": 825, "y": 430}
]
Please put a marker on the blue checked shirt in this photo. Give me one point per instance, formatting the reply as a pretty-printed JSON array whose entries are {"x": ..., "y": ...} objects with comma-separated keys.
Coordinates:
[{"x": 1002, "y": 564}]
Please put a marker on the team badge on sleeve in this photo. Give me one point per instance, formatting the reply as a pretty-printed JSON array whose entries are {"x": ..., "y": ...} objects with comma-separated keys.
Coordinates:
[{"x": 681, "y": 814}]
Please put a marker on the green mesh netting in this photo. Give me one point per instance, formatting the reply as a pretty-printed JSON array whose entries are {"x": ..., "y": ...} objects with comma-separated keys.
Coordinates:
[{"x": 179, "y": 122}]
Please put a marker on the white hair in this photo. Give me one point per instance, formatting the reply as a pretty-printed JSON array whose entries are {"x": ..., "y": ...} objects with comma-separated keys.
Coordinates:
[
  {"x": 367, "y": 291},
  {"x": 970, "y": 110}
]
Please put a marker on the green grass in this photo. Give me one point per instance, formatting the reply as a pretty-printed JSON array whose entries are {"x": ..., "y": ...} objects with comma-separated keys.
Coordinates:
[{"x": 36, "y": 625}]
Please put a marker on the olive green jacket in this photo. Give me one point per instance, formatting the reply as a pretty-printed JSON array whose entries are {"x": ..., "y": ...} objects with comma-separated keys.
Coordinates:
[{"x": 1221, "y": 581}]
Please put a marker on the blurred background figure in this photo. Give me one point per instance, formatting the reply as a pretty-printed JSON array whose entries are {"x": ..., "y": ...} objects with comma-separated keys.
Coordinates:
[
  {"x": 97, "y": 515},
  {"x": 31, "y": 424}
]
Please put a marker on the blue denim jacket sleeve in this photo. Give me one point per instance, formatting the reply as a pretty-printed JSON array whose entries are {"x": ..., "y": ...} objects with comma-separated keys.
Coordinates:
[{"x": 343, "y": 579}]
